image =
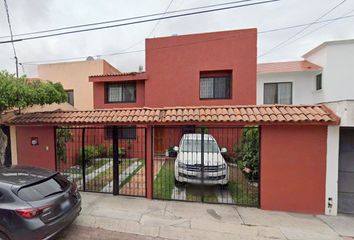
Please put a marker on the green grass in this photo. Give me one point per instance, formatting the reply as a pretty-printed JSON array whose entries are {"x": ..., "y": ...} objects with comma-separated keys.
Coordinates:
[
  {"x": 132, "y": 174},
  {"x": 243, "y": 194},
  {"x": 96, "y": 184},
  {"x": 97, "y": 165},
  {"x": 164, "y": 182}
]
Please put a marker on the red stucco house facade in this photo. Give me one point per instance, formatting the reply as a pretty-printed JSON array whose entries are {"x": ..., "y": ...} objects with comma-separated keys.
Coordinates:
[{"x": 204, "y": 79}]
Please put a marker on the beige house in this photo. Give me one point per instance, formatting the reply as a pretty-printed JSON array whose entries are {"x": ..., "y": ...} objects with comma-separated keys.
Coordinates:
[{"x": 74, "y": 78}]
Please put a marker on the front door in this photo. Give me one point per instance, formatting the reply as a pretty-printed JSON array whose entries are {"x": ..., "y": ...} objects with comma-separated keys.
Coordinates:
[
  {"x": 346, "y": 171},
  {"x": 159, "y": 141}
]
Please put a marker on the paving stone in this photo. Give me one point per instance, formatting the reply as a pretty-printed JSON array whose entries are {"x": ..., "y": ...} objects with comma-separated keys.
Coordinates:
[
  {"x": 342, "y": 224},
  {"x": 86, "y": 233},
  {"x": 183, "y": 220}
]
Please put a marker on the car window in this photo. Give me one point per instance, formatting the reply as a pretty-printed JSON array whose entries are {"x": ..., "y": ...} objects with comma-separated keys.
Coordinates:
[
  {"x": 39, "y": 191},
  {"x": 194, "y": 145}
]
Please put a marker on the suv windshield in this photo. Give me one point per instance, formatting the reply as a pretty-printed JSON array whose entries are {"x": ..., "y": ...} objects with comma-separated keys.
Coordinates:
[
  {"x": 52, "y": 186},
  {"x": 194, "y": 145}
]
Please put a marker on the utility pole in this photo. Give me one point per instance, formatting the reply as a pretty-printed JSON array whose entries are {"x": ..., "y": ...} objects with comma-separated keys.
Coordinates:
[
  {"x": 16, "y": 62},
  {"x": 12, "y": 37}
]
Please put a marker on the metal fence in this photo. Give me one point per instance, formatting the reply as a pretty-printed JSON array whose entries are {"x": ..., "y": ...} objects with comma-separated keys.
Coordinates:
[
  {"x": 206, "y": 164},
  {"x": 103, "y": 159}
]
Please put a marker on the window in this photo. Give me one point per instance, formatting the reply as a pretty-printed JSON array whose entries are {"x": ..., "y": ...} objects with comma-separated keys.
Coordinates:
[
  {"x": 278, "y": 93},
  {"x": 319, "y": 81},
  {"x": 215, "y": 87},
  {"x": 70, "y": 96},
  {"x": 121, "y": 92},
  {"x": 123, "y": 133},
  {"x": 195, "y": 145}
]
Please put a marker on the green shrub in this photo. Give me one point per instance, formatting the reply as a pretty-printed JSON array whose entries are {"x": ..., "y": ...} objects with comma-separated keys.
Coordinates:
[
  {"x": 92, "y": 152},
  {"x": 62, "y": 137},
  {"x": 121, "y": 152},
  {"x": 247, "y": 152}
]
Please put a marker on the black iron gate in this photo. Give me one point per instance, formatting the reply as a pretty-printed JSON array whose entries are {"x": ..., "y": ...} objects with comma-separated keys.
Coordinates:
[
  {"x": 207, "y": 164},
  {"x": 103, "y": 159}
]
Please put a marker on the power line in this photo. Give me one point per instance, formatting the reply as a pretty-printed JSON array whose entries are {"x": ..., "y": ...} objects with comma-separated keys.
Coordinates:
[
  {"x": 152, "y": 31},
  {"x": 320, "y": 27},
  {"x": 283, "y": 43},
  {"x": 127, "y": 19},
  {"x": 142, "y": 50},
  {"x": 141, "y": 21},
  {"x": 11, "y": 35}
]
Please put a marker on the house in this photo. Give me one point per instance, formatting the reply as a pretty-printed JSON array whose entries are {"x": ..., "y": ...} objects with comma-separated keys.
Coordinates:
[
  {"x": 199, "y": 83},
  {"x": 73, "y": 76},
  {"x": 323, "y": 77}
]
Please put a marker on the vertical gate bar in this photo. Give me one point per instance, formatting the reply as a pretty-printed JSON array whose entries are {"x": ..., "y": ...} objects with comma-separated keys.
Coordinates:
[
  {"x": 55, "y": 150},
  {"x": 202, "y": 161},
  {"x": 145, "y": 157},
  {"x": 259, "y": 164},
  {"x": 115, "y": 161},
  {"x": 83, "y": 159},
  {"x": 149, "y": 161}
]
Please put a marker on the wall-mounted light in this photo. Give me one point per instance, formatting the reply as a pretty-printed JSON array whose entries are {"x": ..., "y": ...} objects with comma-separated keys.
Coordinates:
[{"x": 34, "y": 141}]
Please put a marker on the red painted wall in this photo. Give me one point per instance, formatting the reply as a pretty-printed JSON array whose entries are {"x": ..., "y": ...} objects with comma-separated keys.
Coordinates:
[
  {"x": 174, "y": 64},
  {"x": 293, "y": 168},
  {"x": 42, "y": 155},
  {"x": 99, "y": 97}
]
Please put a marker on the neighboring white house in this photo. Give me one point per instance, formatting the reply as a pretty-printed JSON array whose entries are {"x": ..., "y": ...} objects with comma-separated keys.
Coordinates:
[
  {"x": 287, "y": 82},
  {"x": 325, "y": 75}
]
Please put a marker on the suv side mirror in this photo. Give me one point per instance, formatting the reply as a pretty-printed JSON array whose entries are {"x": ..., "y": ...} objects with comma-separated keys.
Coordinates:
[
  {"x": 175, "y": 148},
  {"x": 223, "y": 150}
]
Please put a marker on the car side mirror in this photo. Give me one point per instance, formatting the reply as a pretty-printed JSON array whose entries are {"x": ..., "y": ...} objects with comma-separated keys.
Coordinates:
[
  {"x": 175, "y": 148},
  {"x": 223, "y": 150}
]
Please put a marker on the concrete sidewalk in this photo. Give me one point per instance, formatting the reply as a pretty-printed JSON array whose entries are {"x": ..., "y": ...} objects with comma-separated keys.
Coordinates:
[{"x": 182, "y": 220}]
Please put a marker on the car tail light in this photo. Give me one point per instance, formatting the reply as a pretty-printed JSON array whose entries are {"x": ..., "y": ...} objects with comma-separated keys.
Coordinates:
[{"x": 32, "y": 212}]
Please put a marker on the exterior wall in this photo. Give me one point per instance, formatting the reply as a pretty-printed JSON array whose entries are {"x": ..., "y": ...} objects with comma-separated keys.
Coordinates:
[
  {"x": 337, "y": 78},
  {"x": 13, "y": 138},
  {"x": 74, "y": 76},
  {"x": 293, "y": 168},
  {"x": 344, "y": 109},
  {"x": 331, "y": 204},
  {"x": 304, "y": 85},
  {"x": 174, "y": 64},
  {"x": 42, "y": 155},
  {"x": 99, "y": 97}
]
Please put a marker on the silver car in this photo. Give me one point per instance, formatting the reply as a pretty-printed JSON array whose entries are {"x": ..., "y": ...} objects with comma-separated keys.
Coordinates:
[{"x": 188, "y": 164}]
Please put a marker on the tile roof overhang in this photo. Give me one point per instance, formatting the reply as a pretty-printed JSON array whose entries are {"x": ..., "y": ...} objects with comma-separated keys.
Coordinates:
[
  {"x": 119, "y": 77},
  {"x": 238, "y": 115},
  {"x": 283, "y": 67}
]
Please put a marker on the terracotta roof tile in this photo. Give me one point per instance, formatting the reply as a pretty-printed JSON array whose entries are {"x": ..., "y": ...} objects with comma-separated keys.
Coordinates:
[
  {"x": 281, "y": 67},
  {"x": 233, "y": 114}
]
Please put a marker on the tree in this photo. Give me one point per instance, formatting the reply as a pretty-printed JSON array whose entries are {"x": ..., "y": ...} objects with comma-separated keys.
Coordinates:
[{"x": 17, "y": 93}]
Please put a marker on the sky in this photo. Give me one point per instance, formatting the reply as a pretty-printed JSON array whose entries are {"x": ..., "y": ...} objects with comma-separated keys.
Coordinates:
[{"x": 35, "y": 15}]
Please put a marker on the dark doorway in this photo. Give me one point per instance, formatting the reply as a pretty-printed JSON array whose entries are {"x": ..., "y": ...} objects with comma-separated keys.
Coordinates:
[{"x": 346, "y": 171}]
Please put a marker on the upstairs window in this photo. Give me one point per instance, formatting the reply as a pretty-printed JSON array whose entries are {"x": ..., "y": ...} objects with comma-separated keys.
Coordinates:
[
  {"x": 215, "y": 85},
  {"x": 120, "y": 92},
  {"x": 70, "y": 96},
  {"x": 278, "y": 93},
  {"x": 319, "y": 81}
]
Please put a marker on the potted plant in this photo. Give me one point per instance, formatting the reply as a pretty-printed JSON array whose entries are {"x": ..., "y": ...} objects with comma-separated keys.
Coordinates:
[{"x": 170, "y": 152}]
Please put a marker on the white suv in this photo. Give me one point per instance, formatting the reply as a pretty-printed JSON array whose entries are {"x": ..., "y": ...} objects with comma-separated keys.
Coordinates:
[{"x": 188, "y": 164}]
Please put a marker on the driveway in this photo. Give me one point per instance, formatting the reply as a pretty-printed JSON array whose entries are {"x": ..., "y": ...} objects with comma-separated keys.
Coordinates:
[{"x": 182, "y": 220}]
